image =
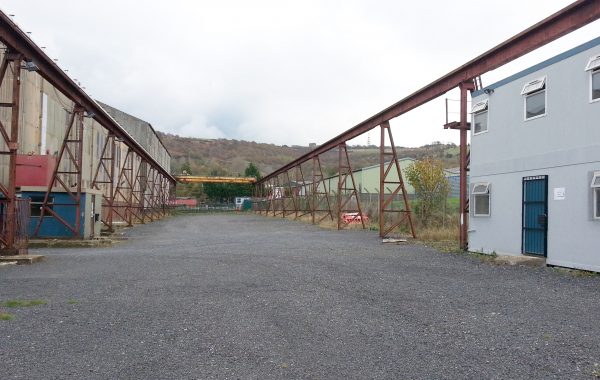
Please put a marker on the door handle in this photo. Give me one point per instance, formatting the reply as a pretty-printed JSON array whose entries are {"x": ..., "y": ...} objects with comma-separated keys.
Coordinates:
[{"x": 543, "y": 219}]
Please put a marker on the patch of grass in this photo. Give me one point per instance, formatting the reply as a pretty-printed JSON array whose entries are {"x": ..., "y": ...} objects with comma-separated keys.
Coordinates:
[
  {"x": 575, "y": 272},
  {"x": 72, "y": 302},
  {"x": 444, "y": 239},
  {"x": 484, "y": 257},
  {"x": 583, "y": 273},
  {"x": 446, "y": 246},
  {"x": 547, "y": 337},
  {"x": 6, "y": 317},
  {"x": 22, "y": 303}
]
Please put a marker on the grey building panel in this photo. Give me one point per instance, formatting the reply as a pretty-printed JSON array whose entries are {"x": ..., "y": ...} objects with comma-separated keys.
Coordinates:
[{"x": 564, "y": 145}]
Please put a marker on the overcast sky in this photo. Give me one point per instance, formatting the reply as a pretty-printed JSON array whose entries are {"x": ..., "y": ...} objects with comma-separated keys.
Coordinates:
[{"x": 278, "y": 72}]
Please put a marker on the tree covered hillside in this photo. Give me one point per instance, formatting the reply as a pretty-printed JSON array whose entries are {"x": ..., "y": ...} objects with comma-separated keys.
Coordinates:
[{"x": 232, "y": 157}]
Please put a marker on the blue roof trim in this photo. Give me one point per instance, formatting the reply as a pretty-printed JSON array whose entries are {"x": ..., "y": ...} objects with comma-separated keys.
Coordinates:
[{"x": 567, "y": 54}]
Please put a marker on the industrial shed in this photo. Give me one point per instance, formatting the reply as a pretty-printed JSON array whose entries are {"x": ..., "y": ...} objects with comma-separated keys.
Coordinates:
[
  {"x": 67, "y": 167},
  {"x": 535, "y": 162},
  {"x": 367, "y": 179}
]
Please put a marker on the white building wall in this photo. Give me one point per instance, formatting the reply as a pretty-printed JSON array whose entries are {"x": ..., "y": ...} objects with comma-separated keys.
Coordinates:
[{"x": 564, "y": 144}]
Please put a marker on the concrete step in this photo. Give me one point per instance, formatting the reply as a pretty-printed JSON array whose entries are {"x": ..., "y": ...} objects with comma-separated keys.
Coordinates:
[
  {"x": 21, "y": 259},
  {"x": 71, "y": 243},
  {"x": 529, "y": 261}
]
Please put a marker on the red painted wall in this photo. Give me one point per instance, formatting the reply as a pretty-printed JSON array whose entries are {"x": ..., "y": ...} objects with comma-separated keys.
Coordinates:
[{"x": 34, "y": 170}]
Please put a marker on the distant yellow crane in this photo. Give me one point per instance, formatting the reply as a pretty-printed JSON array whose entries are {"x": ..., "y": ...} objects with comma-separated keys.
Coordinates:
[{"x": 209, "y": 179}]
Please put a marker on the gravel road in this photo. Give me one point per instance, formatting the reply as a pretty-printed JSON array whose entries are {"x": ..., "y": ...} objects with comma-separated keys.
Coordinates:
[{"x": 248, "y": 297}]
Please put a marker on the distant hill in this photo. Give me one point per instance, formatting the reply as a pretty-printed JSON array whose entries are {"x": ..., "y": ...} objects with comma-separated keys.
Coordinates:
[{"x": 230, "y": 157}]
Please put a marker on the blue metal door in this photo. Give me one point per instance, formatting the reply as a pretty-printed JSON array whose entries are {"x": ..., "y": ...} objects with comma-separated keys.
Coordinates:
[{"x": 535, "y": 215}]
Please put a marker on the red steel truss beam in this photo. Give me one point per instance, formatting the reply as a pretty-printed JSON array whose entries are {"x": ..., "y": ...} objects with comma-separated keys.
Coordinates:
[
  {"x": 17, "y": 41},
  {"x": 563, "y": 22}
]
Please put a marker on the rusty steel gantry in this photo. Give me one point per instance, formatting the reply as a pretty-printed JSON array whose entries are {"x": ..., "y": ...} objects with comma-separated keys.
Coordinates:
[
  {"x": 465, "y": 77},
  {"x": 150, "y": 186}
]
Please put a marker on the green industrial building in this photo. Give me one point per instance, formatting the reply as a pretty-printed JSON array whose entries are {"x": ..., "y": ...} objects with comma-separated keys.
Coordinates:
[{"x": 367, "y": 179}]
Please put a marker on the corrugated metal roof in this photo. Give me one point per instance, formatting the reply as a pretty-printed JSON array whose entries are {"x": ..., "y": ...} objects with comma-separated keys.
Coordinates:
[{"x": 114, "y": 113}]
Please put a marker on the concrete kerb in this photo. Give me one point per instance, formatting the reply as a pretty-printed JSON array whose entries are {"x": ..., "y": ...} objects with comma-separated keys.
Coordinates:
[{"x": 20, "y": 259}]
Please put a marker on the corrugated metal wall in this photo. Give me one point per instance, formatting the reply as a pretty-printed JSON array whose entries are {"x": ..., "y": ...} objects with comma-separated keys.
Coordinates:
[{"x": 44, "y": 117}]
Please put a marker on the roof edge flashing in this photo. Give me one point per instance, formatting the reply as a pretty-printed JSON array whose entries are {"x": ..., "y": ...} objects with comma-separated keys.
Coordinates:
[{"x": 542, "y": 65}]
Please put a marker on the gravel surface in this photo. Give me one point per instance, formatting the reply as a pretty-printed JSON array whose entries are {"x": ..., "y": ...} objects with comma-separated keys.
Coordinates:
[{"x": 243, "y": 296}]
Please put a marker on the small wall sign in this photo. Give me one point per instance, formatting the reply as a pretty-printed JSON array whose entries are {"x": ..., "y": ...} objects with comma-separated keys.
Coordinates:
[{"x": 559, "y": 193}]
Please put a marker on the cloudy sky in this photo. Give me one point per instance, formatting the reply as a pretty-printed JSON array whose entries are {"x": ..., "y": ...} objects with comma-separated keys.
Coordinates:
[{"x": 277, "y": 71}]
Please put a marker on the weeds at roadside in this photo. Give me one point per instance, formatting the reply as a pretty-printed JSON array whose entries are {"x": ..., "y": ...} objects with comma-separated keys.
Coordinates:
[
  {"x": 445, "y": 246},
  {"x": 72, "y": 302},
  {"x": 22, "y": 303},
  {"x": 575, "y": 272},
  {"x": 6, "y": 317},
  {"x": 484, "y": 257}
]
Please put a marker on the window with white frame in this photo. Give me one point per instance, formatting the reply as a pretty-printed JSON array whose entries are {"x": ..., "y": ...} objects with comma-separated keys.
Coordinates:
[
  {"x": 481, "y": 199},
  {"x": 480, "y": 117},
  {"x": 596, "y": 195},
  {"x": 593, "y": 67},
  {"x": 535, "y": 98}
]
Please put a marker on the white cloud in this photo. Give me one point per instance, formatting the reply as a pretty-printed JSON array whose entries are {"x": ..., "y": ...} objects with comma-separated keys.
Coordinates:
[{"x": 276, "y": 71}]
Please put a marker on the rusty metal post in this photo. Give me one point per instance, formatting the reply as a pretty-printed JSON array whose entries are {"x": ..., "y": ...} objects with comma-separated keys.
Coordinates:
[
  {"x": 464, "y": 165},
  {"x": 398, "y": 186},
  {"x": 271, "y": 205},
  {"x": 159, "y": 194},
  {"x": 313, "y": 201},
  {"x": 141, "y": 179},
  {"x": 164, "y": 191},
  {"x": 136, "y": 195},
  {"x": 108, "y": 171},
  {"x": 382, "y": 180},
  {"x": 344, "y": 190},
  {"x": 64, "y": 178},
  {"x": 341, "y": 180},
  {"x": 13, "y": 145},
  {"x": 122, "y": 196},
  {"x": 79, "y": 165},
  {"x": 304, "y": 193},
  {"x": 291, "y": 189},
  {"x": 281, "y": 193},
  {"x": 111, "y": 186},
  {"x": 255, "y": 198},
  {"x": 317, "y": 197}
]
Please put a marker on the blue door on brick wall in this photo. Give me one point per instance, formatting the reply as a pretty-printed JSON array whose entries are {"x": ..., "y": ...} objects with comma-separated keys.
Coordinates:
[{"x": 535, "y": 216}]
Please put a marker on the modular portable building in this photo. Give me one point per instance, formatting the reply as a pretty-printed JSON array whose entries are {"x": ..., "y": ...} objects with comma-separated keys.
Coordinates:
[{"x": 535, "y": 162}]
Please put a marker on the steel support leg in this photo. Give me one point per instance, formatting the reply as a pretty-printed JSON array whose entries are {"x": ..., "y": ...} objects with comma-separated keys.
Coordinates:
[
  {"x": 398, "y": 216},
  {"x": 303, "y": 202},
  {"x": 106, "y": 166},
  {"x": 318, "y": 195},
  {"x": 67, "y": 175},
  {"x": 11, "y": 247},
  {"x": 346, "y": 190},
  {"x": 464, "y": 165}
]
